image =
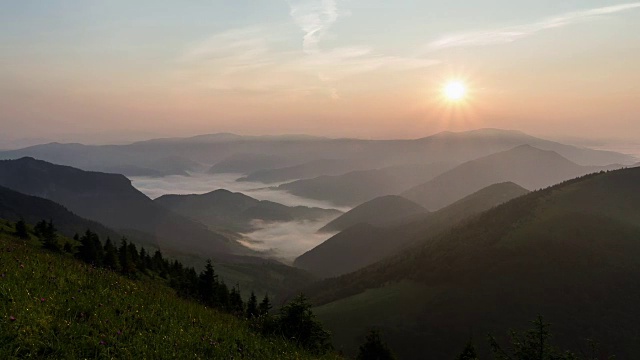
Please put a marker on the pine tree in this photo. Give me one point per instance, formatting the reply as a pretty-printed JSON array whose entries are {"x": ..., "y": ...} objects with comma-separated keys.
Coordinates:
[
  {"x": 207, "y": 285},
  {"x": 21, "y": 229},
  {"x": 50, "y": 236},
  {"x": 90, "y": 250},
  {"x": 252, "y": 306},
  {"x": 236, "y": 305},
  {"x": 111, "y": 256},
  {"x": 265, "y": 306},
  {"x": 297, "y": 322},
  {"x": 142, "y": 261},
  {"x": 469, "y": 353},
  {"x": 374, "y": 348},
  {"x": 127, "y": 266}
]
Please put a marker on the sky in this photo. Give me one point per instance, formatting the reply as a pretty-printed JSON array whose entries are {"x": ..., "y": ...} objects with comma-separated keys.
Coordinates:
[{"x": 115, "y": 71}]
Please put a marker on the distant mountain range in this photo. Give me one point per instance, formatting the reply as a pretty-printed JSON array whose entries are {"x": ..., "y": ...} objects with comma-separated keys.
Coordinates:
[
  {"x": 356, "y": 187},
  {"x": 110, "y": 199},
  {"x": 569, "y": 252},
  {"x": 381, "y": 211},
  {"x": 245, "y": 154},
  {"x": 365, "y": 228},
  {"x": 524, "y": 165},
  {"x": 238, "y": 212},
  {"x": 302, "y": 171}
]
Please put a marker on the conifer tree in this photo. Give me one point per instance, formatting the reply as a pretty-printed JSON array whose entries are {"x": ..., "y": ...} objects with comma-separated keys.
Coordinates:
[
  {"x": 252, "y": 306},
  {"x": 297, "y": 322},
  {"x": 90, "y": 250},
  {"x": 374, "y": 348},
  {"x": 469, "y": 353},
  {"x": 265, "y": 306},
  {"x": 111, "y": 256},
  {"x": 207, "y": 285},
  {"x": 236, "y": 305},
  {"x": 21, "y": 229},
  {"x": 127, "y": 266}
]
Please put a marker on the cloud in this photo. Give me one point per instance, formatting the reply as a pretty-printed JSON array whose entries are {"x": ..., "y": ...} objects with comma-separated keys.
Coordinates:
[
  {"x": 262, "y": 61},
  {"x": 314, "y": 18},
  {"x": 286, "y": 240},
  {"x": 514, "y": 33}
]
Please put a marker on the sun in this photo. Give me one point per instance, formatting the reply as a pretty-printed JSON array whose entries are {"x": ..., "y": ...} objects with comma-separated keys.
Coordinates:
[{"x": 455, "y": 90}]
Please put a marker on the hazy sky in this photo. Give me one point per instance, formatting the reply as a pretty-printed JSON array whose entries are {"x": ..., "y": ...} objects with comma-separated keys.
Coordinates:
[{"x": 101, "y": 71}]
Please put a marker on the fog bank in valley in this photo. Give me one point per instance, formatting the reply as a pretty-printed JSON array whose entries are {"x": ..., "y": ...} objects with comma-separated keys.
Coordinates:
[{"x": 284, "y": 240}]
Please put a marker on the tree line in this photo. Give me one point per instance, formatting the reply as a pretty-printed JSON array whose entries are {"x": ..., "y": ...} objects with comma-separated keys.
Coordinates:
[{"x": 294, "y": 321}]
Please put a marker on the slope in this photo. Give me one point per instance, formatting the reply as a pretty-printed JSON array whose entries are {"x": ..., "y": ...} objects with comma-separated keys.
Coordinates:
[
  {"x": 14, "y": 206},
  {"x": 236, "y": 211},
  {"x": 570, "y": 253},
  {"x": 380, "y": 211},
  {"x": 364, "y": 244},
  {"x": 52, "y": 306},
  {"x": 356, "y": 187},
  {"x": 525, "y": 165},
  {"x": 111, "y": 200}
]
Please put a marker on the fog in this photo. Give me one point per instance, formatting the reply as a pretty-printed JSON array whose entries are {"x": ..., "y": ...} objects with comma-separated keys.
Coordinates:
[
  {"x": 286, "y": 241},
  {"x": 281, "y": 240}
]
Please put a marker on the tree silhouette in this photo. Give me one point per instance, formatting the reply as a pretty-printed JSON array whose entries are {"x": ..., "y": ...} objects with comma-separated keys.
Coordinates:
[
  {"x": 297, "y": 323},
  {"x": 374, "y": 348},
  {"x": 21, "y": 229},
  {"x": 252, "y": 306},
  {"x": 111, "y": 260},
  {"x": 469, "y": 353},
  {"x": 265, "y": 306}
]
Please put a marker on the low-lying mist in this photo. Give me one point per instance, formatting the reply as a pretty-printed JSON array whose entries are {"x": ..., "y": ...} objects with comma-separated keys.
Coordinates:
[
  {"x": 286, "y": 241},
  {"x": 282, "y": 240}
]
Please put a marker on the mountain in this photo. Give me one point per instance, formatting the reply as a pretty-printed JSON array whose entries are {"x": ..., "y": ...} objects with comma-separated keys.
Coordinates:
[
  {"x": 234, "y": 150},
  {"x": 525, "y": 165},
  {"x": 303, "y": 171},
  {"x": 236, "y": 211},
  {"x": 244, "y": 163},
  {"x": 15, "y": 205},
  {"x": 380, "y": 211},
  {"x": 569, "y": 253},
  {"x": 356, "y": 187},
  {"x": 110, "y": 199},
  {"x": 343, "y": 253}
]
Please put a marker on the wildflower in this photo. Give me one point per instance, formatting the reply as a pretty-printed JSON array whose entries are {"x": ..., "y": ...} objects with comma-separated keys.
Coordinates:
[
  {"x": 12, "y": 318},
  {"x": 42, "y": 300},
  {"x": 102, "y": 342}
]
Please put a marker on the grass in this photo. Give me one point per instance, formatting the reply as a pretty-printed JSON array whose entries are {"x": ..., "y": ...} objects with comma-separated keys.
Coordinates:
[{"x": 53, "y": 306}]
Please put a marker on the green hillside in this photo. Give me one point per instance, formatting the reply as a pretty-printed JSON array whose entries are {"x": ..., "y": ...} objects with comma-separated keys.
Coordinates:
[
  {"x": 570, "y": 253},
  {"x": 53, "y": 306}
]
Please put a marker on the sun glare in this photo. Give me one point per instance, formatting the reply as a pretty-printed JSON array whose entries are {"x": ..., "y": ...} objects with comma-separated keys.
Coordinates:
[{"x": 455, "y": 90}]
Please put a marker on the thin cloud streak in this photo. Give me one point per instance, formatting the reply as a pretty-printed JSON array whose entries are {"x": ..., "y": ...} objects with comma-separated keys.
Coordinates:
[
  {"x": 514, "y": 33},
  {"x": 314, "y": 18}
]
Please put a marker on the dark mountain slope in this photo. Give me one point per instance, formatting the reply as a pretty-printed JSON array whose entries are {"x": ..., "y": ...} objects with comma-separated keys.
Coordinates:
[
  {"x": 364, "y": 244},
  {"x": 380, "y": 211},
  {"x": 111, "y": 200},
  {"x": 525, "y": 165},
  {"x": 356, "y": 187},
  {"x": 570, "y": 253},
  {"x": 15, "y": 205},
  {"x": 236, "y": 211}
]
